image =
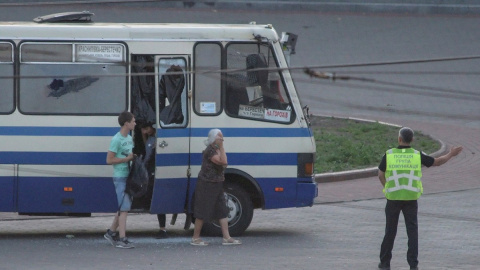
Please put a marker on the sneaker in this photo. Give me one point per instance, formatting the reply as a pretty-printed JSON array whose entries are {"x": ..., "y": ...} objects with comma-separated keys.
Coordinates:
[
  {"x": 383, "y": 266},
  {"x": 162, "y": 234},
  {"x": 231, "y": 241},
  {"x": 124, "y": 243},
  {"x": 112, "y": 237},
  {"x": 198, "y": 242}
]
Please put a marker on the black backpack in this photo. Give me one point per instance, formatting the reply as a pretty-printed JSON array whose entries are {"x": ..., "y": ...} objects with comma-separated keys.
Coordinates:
[{"x": 137, "y": 181}]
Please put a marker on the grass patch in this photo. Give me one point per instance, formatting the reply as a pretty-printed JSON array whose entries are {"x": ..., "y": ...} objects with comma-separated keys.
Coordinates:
[{"x": 344, "y": 144}]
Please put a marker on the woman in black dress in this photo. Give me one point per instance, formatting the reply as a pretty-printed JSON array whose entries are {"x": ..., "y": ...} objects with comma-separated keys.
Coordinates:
[{"x": 210, "y": 203}]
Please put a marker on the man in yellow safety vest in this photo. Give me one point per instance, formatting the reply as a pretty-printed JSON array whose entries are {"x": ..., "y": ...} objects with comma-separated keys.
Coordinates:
[{"x": 400, "y": 173}]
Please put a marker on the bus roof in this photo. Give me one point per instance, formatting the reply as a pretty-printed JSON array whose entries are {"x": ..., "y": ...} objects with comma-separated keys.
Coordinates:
[{"x": 135, "y": 31}]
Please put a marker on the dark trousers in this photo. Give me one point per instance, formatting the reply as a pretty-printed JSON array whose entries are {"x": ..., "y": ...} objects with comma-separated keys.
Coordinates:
[
  {"x": 392, "y": 213},
  {"x": 162, "y": 219}
]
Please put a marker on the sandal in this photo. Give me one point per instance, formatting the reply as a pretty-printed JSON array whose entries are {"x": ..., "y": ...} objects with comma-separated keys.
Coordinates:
[
  {"x": 231, "y": 241},
  {"x": 198, "y": 242}
]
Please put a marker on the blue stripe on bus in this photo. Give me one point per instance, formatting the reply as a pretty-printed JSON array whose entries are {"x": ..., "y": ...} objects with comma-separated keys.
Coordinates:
[
  {"x": 167, "y": 133},
  {"x": 98, "y": 158},
  {"x": 237, "y": 132},
  {"x": 237, "y": 159},
  {"x": 58, "y": 131},
  {"x": 53, "y": 158},
  {"x": 38, "y": 194},
  {"x": 255, "y": 132}
]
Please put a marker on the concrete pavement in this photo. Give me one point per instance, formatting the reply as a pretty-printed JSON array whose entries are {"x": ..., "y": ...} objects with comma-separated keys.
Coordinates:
[{"x": 327, "y": 236}]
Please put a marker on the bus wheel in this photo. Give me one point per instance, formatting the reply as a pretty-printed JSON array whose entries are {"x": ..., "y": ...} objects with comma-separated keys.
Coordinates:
[{"x": 240, "y": 216}]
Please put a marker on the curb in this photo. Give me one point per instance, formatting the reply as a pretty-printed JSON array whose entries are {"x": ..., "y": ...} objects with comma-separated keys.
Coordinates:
[{"x": 368, "y": 172}]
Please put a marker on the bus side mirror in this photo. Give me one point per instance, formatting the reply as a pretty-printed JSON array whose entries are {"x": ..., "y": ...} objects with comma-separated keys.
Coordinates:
[{"x": 288, "y": 41}]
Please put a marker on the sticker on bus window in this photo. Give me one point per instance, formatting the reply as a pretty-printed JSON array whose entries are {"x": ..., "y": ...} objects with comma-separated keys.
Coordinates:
[
  {"x": 252, "y": 112},
  {"x": 109, "y": 53},
  {"x": 207, "y": 107},
  {"x": 277, "y": 115}
]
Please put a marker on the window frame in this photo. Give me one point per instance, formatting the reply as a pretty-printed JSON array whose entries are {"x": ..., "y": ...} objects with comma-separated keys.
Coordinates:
[
  {"x": 124, "y": 63},
  {"x": 271, "y": 50},
  {"x": 14, "y": 73},
  {"x": 221, "y": 82},
  {"x": 186, "y": 59}
]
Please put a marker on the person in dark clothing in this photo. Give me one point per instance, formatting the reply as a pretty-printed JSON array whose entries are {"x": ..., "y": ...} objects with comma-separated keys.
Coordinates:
[
  {"x": 149, "y": 139},
  {"x": 400, "y": 174},
  {"x": 260, "y": 77},
  {"x": 210, "y": 202},
  {"x": 171, "y": 88}
]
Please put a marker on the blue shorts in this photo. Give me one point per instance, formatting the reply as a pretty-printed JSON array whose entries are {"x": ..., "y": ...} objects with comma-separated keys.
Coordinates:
[{"x": 123, "y": 199}]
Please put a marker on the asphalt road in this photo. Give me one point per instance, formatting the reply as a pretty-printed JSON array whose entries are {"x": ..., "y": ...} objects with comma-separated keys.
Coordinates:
[
  {"x": 327, "y": 236},
  {"x": 343, "y": 230}
]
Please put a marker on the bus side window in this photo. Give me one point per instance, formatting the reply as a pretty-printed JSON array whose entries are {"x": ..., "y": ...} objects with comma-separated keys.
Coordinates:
[
  {"x": 7, "y": 70},
  {"x": 207, "y": 80},
  {"x": 172, "y": 92},
  {"x": 254, "y": 87},
  {"x": 67, "y": 78}
]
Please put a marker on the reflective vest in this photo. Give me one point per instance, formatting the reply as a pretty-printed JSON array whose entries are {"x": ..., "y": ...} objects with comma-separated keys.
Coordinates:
[{"x": 403, "y": 174}]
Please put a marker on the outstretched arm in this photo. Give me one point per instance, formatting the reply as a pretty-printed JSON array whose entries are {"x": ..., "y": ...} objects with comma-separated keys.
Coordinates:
[{"x": 443, "y": 159}]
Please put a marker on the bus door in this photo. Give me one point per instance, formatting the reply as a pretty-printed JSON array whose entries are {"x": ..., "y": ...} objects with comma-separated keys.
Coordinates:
[
  {"x": 173, "y": 134},
  {"x": 7, "y": 171}
]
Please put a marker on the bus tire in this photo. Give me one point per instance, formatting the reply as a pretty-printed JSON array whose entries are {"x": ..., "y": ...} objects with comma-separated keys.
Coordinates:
[{"x": 240, "y": 216}]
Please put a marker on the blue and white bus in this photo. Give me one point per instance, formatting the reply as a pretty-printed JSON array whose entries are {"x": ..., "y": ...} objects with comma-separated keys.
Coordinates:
[{"x": 64, "y": 79}]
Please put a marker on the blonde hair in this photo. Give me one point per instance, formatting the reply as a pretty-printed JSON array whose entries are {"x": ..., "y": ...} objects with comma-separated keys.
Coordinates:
[{"x": 212, "y": 136}]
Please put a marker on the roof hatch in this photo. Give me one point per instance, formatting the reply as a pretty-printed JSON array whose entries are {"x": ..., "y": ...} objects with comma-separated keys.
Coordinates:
[{"x": 75, "y": 16}]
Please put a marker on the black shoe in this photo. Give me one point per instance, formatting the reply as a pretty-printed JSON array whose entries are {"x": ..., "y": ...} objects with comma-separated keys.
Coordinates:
[
  {"x": 383, "y": 266},
  {"x": 162, "y": 234}
]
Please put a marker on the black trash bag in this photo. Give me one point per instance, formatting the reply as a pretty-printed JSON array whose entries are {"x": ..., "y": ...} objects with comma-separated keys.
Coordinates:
[
  {"x": 137, "y": 181},
  {"x": 171, "y": 88},
  {"x": 144, "y": 113}
]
